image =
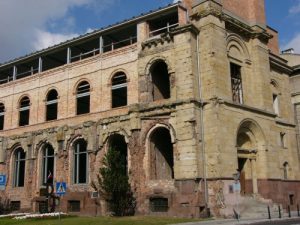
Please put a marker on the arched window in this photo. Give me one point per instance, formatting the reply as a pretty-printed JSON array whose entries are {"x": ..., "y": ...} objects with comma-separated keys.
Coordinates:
[
  {"x": 48, "y": 165},
  {"x": 2, "y": 111},
  {"x": 51, "y": 105},
  {"x": 24, "y": 111},
  {"x": 160, "y": 81},
  {"x": 83, "y": 98},
  {"x": 161, "y": 155},
  {"x": 285, "y": 170},
  {"x": 117, "y": 143},
  {"x": 80, "y": 173},
  {"x": 119, "y": 90},
  {"x": 19, "y": 168}
]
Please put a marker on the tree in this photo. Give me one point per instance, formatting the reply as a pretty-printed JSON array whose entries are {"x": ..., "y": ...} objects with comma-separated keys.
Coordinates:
[{"x": 113, "y": 184}]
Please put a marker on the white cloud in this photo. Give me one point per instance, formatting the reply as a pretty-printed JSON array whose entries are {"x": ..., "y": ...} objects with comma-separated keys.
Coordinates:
[
  {"x": 174, "y": 1},
  {"x": 24, "y": 24},
  {"x": 294, "y": 43},
  {"x": 44, "y": 39},
  {"x": 295, "y": 9}
]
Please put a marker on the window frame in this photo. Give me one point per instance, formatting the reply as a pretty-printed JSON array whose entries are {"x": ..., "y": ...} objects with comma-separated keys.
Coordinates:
[
  {"x": 2, "y": 115},
  {"x": 76, "y": 162},
  {"x": 240, "y": 94},
  {"x": 45, "y": 161},
  {"x": 49, "y": 103},
  {"x": 16, "y": 171},
  {"x": 119, "y": 86},
  {"x": 23, "y": 109},
  {"x": 81, "y": 94}
]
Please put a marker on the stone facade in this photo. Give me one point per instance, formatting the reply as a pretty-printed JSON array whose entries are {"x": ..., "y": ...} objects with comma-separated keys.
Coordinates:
[{"x": 191, "y": 114}]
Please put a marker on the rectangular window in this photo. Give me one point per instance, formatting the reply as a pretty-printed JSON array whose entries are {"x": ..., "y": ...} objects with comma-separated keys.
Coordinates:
[
  {"x": 276, "y": 104},
  {"x": 236, "y": 83},
  {"x": 15, "y": 205},
  {"x": 74, "y": 206},
  {"x": 159, "y": 204},
  {"x": 1, "y": 121},
  {"x": 24, "y": 117}
]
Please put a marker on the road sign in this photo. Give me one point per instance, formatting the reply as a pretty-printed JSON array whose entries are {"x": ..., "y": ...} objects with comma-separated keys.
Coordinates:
[
  {"x": 2, "y": 182},
  {"x": 61, "y": 188}
]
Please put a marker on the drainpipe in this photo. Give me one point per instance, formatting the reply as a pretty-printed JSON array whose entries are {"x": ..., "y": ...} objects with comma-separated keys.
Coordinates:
[{"x": 202, "y": 124}]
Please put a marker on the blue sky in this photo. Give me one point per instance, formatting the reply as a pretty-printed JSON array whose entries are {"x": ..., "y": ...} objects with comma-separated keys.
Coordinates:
[{"x": 31, "y": 25}]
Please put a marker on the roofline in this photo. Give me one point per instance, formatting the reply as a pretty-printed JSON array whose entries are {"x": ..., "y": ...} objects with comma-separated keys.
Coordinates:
[{"x": 91, "y": 34}]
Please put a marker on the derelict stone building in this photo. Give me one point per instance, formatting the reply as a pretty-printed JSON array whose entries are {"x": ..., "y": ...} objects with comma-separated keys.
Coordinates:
[{"x": 190, "y": 93}]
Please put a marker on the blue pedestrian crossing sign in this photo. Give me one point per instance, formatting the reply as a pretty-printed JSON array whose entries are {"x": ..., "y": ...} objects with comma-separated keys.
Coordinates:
[
  {"x": 61, "y": 188},
  {"x": 2, "y": 182}
]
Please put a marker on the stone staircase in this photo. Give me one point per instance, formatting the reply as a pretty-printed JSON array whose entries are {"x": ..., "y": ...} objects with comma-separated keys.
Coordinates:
[{"x": 256, "y": 207}]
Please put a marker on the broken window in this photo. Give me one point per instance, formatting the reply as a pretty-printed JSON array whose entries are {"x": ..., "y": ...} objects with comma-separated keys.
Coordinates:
[
  {"x": 119, "y": 90},
  {"x": 118, "y": 143},
  {"x": 276, "y": 104},
  {"x": 2, "y": 111},
  {"x": 160, "y": 81},
  {"x": 119, "y": 38},
  {"x": 161, "y": 155},
  {"x": 159, "y": 204},
  {"x": 80, "y": 162},
  {"x": 285, "y": 170},
  {"x": 51, "y": 105},
  {"x": 19, "y": 167},
  {"x": 24, "y": 111},
  {"x": 83, "y": 98},
  {"x": 163, "y": 23},
  {"x": 48, "y": 165},
  {"x": 236, "y": 83},
  {"x": 74, "y": 206}
]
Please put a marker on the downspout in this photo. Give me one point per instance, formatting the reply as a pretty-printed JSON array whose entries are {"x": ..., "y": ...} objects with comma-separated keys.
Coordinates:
[{"x": 202, "y": 124}]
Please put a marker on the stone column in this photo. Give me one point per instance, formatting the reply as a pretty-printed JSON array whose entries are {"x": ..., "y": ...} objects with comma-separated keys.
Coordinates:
[{"x": 254, "y": 176}]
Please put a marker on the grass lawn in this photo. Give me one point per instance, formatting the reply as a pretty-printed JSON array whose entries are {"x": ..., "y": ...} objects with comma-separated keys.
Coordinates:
[{"x": 99, "y": 221}]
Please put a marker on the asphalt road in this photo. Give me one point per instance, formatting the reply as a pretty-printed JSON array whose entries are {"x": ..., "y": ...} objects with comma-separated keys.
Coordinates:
[{"x": 281, "y": 222}]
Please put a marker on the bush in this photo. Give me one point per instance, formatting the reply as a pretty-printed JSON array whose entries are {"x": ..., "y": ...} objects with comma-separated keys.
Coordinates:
[
  {"x": 113, "y": 184},
  {"x": 4, "y": 205}
]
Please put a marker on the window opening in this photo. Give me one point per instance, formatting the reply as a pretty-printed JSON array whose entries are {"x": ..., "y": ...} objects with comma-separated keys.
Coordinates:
[
  {"x": 48, "y": 165},
  {"x": 159, "y": 204},
  {"x": 163, "y": 24},
  {"x": 19, "y": 172},
  {"x": 80, "y": 162},
  {"x": 83, "y": 98},
  {"x": 236, "y": 83},
  {"x": 6, "y": 75},
  {"x": 285, "y": 170},
  {"x": 118, "y": 143},
  {"x": 73, "y": 206},
  {"x": 24, "y": 111},
  {"x": 119, "y": 38},
  {"x": 291, "y": 198},
  {"x": 15, "y": 205},
  {"x": 282, "y": 139},
  {"x": 276, "y": 104},
  {"x": 160, "y": 81},
  {"x": 85, "y": 50},
  {"x": 51, "y": 105},
  {"x": 119, "y": 90},
  {"x": 2, "y": 112},
  {"x": 161, "y": 155},
  {"x": 27, "y": 68}
]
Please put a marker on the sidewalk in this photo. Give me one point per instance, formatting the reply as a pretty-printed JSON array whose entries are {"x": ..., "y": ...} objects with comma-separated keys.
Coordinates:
[{"x": 241, "y": 222}]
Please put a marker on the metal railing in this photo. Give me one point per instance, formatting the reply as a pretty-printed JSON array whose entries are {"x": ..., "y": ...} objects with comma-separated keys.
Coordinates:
[
  {"x": 115, "y": 45},
  {"x": 163, "y": 29}
]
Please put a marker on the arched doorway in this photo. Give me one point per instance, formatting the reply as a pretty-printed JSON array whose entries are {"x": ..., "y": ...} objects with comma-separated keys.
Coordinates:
[
  {"x": 117, "y": 143},
  {"x": 249, "y": 140},
  {"x": 161, "y": 155}
]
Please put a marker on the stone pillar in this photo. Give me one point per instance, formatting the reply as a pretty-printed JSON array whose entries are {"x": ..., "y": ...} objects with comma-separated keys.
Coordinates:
[{"x": 254, "y": 176}]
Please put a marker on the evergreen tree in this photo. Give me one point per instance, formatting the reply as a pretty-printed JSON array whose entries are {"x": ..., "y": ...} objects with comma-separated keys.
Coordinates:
[{"x": 113, "y": 184}]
